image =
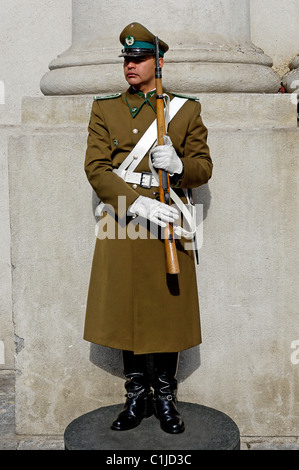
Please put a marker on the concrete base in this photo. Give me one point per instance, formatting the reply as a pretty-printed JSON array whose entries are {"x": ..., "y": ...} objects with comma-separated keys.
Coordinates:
[
  {"x": 246, "y": 275},
  {"x": 219, "y": 110},
  {"x": 206, "y": 429}
]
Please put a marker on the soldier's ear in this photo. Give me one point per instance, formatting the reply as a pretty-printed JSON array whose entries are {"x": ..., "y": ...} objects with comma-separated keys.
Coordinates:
[{"x": 161, "y": 61}]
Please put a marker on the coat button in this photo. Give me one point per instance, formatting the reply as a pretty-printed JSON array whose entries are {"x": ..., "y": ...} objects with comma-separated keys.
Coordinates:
[
  {"x": 135, "y": 157},
  {"x": 134, "y": 186},
  {"x": 135, "y": 131}
]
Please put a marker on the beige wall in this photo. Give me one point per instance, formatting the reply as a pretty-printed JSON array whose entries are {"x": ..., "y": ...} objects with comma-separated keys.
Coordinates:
[{"x": 32, "y": 32}]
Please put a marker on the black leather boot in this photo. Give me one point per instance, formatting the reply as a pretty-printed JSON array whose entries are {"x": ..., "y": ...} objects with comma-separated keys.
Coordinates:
[
  {"x": 139, "y": 402},
  {"x": 165, "y": 389}
]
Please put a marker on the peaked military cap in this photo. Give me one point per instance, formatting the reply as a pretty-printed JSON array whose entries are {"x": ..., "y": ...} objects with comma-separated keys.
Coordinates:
[{"x": 139, "y": 41}]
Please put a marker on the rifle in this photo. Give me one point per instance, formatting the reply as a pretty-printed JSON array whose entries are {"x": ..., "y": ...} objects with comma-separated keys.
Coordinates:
[{"x": 172, "y": 264}]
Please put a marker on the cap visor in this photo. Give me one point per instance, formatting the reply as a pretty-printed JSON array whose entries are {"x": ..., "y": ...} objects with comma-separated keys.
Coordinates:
[{"x": 137, "y": 53}]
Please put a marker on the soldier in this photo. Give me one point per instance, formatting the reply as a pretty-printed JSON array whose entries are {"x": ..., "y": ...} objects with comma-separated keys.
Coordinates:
[{"x": 133, "y": 304}]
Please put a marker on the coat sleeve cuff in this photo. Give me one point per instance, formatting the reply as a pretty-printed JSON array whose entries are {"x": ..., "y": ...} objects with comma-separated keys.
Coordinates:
[{"x": 176, "y": 179}]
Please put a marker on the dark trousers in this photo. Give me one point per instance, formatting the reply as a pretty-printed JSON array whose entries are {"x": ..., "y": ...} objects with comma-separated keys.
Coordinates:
[{"x": 158, "y": 370}]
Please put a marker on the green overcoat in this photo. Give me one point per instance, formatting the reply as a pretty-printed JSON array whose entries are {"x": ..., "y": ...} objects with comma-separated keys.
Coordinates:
[{"x": 132, "y": 303}]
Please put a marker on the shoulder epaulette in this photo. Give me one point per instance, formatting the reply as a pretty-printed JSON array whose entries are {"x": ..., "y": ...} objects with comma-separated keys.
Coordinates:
[
  {"x": 193, "y": 98},
  {"x": 106, "y": 97}
]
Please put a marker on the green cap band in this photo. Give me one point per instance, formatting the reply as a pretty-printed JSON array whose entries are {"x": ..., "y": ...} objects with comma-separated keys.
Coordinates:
[{"x": 143, "y": 45}]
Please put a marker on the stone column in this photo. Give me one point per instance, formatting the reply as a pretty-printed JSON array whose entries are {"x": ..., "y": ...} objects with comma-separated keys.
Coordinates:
[
  {"x": 291, "y": 79},
  {"x": 210, "y": 48}
]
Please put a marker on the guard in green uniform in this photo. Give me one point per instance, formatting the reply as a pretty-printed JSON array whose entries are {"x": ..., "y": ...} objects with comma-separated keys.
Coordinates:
[{"x": 133, "y": 305}]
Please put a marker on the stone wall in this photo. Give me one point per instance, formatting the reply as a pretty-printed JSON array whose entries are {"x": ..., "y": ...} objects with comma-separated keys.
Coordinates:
[
  {"x": 31, "y": 34},
  {"x": 247, "y": 266}
]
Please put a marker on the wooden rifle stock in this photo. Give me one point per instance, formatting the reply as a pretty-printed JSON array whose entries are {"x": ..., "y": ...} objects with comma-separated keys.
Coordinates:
[{"x": 172, "y": 263}]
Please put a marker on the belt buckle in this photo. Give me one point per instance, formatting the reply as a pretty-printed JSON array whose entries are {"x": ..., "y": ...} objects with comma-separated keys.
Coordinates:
[{"x": 146, "y": 180}]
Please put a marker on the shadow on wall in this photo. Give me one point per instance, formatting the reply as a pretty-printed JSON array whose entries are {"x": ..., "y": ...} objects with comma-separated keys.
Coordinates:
[
  {"x": 110, "y": 360},
  {"x": 202, "y": 195}
]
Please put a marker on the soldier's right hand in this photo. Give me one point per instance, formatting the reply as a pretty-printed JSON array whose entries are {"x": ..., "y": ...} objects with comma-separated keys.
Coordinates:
[{"x": 153, "y": 210}]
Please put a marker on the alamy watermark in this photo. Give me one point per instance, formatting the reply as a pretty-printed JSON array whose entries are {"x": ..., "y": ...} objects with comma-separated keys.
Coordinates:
[
  {"x": 141, "y": 228},
  {"x": 295, "y": 353}
]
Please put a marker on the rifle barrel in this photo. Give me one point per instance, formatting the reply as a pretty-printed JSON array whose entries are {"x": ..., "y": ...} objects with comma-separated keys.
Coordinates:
[{"x": 172, "y": 263}]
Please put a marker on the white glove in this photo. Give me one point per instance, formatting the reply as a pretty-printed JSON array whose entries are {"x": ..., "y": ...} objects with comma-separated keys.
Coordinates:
[
  {"x": 165, "y": 157},
  {"x": 153, "y": 210}
]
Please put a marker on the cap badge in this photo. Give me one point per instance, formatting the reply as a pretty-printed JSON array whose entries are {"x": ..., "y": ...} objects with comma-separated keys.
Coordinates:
[{"x": 130, "y": 40}]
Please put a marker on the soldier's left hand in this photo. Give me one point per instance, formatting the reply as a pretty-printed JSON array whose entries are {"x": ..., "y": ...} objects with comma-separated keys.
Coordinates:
[{"x": 164, "y": 157}]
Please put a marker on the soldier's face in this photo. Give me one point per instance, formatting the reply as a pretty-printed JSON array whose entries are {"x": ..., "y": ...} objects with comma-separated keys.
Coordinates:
[{"x": 140, "y": 72}]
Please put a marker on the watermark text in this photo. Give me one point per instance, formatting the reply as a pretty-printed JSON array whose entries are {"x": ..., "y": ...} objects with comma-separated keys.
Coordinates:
[
  {"x": 295, "y": 353},
  {"x": 140, "y": 228}
]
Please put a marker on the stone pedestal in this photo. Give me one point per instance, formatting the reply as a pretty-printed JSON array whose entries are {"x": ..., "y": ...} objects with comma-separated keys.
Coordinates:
[
  {"x": 246, "y": 274},
  {"x": 210, "y": 48},
  {"x": 205, "y": 429}
]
